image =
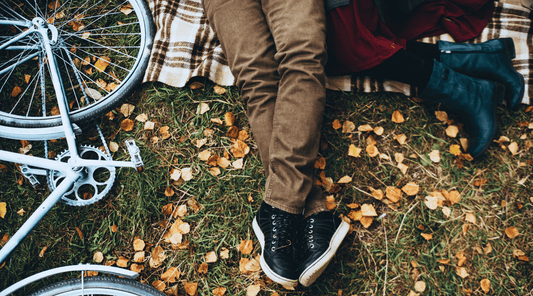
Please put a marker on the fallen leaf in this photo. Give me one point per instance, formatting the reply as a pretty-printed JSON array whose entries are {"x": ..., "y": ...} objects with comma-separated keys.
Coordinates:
[
  {"x": 320, "y": 163},
  {"x": 452, "y": 131},
  {"x": 139, "y": 257},
  {"x": 171, "y": 275},
  {"x": 202, "y": 108},
  {"x": 3, "y": 209},
  {"x": 253, "y": 290},
  {"x": 411, "y": 189},
  {"x": 336, "y": 124},
  {"x": 102, "y": 63},
  {"x": 246, "y": 246},
  {"x": 122, "y": 262},
  {"x": 443, "y": 261},
  {"x": 366, "y": 221},
  {"x": 80, "y": 234},
  {"x": 211, "y": 257},
  {"x": 190, "y": 288},
  {"x": 420, "y": 286},
  {"x": 393, "y": 194},
  {"x": 427, "y": 236},
  {"x": 169, "y": 192},
  {"x": 413, "y": 293},
  {"x": 354, "y": 151},
  {"x": 220, "y": 291},
  {"x": 485, "y": 285},
  {"x": 345, "y": 180},
  {"x": 461, "y": 271},
  {"x": 224, "y": 253},
  {"x": 431, "y": 202},
  {"x": 203, "y": 268},
  {"x": 403, "y": 168},
  {"x": 219, "y": 90},
  {"x": 513, "y": 147},
  {"x": 21, "y": 212},
  {"x": 127, "y": 124},
  {"x": 376, "y": 193},
  {"x": 399, "y": 157},
  {"x": 238, "y": 164},
  {"x": 348, "y": 127},
  {"x": 434, "y": 156},
  {"x": 378, "y": 130},
  {"x": 229, "y": 119},
  {"x": 487, "y": 249},
  {"x": 470, "y": 218},
  {"x": 175, "y": 174},
  {"x": 453, "y": 196},
  {"x": 16, "y": 91},
  {"x": 98, "y": 257},
  {"x": 240, "y": 149},
  {"x": 455, "y": 150},
  {"x": 138, "y": 245},
  {"x": 400, "y": 138},
  {"x": 446, "y": 211},
  {"x": 368, "y": 210},
  {"x": 365, "y": 128},
  {"x": 442, "y": 116},
  {"x": 372, "y": 150},
  {"x": 397, "y": 117},
  {"x": 186, "y": 174},
  {"x": 157, "y": 257},
  {"x": 204, "y": 155},
  {"x": 511, "y": 232}
]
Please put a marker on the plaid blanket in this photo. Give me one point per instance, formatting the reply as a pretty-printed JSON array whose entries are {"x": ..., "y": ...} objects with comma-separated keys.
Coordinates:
[{"x": 186, "y": 47}]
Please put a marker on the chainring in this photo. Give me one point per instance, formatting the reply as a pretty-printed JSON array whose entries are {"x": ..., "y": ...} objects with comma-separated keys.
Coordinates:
[{"x": 92, "y": 188}]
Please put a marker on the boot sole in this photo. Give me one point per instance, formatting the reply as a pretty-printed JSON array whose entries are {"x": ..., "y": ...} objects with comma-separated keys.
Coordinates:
[
  {"x": 266, "y": 269},
  {"x": 313, "y": 271}
]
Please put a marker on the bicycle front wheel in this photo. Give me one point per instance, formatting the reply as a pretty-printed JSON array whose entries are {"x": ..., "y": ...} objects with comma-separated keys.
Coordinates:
[
  {"x": 100, "y": 51},
  {"x": 108, "y": 286}
]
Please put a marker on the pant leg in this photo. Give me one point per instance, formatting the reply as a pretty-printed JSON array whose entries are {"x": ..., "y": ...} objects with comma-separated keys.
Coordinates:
[
  {"x": 294, "y": 62},
  {"x": 249, "y": 47},
  {"x": 299, "y": 31}
]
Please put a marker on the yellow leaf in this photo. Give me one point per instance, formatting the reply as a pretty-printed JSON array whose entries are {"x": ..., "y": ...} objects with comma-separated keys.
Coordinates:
[
  {"x": 102, "y": 63},
  {"x": 190, "y": 288},
  {"x": 397, "y": 117},
  {"x": 122, "y": 262},
  {"x": 330, "y": 202},
  {"x": 427, "y": 236},
  {"x": 377, "y": 193},
  {"x": 157, "y": 257},
  {"x": 21, "y": 212},
  {"x": 169, "y": 192},
  {"x": 3, "y": 209},
  {"x": 139, "y": 257},
  {"x": 393, "y": 194},
  {"x": 455, "y": 150},
  {"x": 80, "y": 234},
  {"x": 354, "y": 151},
  {"x": 229, "y": 119}
]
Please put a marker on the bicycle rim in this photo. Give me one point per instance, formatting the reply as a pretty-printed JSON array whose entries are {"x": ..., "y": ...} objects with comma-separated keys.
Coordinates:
[
  {"x": 101, "y": 51},
  {"x": 108, "y": 286}
]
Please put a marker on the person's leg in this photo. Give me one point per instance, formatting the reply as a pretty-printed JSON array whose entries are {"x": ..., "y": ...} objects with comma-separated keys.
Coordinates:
[{"x": 249, "y": 47}]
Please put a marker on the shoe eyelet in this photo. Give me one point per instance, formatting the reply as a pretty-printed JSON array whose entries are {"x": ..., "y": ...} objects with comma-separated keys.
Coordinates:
[
  {"x": 311, "y": 231},
  {"x": 312, "y": 246},
  {"x": 273, "y": 216},
  {"x": 311, "y": 226},
  {"x": 274, "y": 236},
  {"x": 310, "y": 237},
  {"x": 273, "y": 222},
  {"x": 312, "y": 220},
  {"x": 273, "y": 249},
  {"x": 274, "y": 229}
]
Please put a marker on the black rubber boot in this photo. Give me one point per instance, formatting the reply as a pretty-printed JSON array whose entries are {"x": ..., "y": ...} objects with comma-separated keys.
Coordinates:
[
  {"x": 473, "y": 99},
  {"x": 490, "y": 60}
]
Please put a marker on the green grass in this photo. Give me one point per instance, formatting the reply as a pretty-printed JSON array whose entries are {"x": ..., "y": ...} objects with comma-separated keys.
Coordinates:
[{"x": 370, "y": 261}]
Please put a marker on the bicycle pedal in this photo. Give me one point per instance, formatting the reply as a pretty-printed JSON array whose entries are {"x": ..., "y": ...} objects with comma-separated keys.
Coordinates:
[
  {"x": 135, "y": 154},
  {"x": 26, "y": 172}
]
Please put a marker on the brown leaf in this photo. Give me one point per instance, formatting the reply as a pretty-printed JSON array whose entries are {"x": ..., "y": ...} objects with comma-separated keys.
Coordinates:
[
  {"x": 211, "y": 257},
  {"x": 127, "y": 124},
  {"x": 427, "y": 236},
  {"x": 376, "y": 193},
  {"x": 461, "y": 271},
  {"x": 452, "y": 131},
  {"x": 511, "y": 232},
  {"x": 203, "y": 268},
  {"x": 190, "y": 288},
  {"x": 420, "y": 286},
  {"x": 138, "y": 245},
  {"x": 98, "y": 257},
  {"x": 400, "y": 138},
  {"x": 159, "y": 285},
  {"x": 336, "y": 124},
  {"x": 240, "y": 149},
  {"x": 366, "y": 221},
  {"x": 253, "y": 290},
  {"x": 368, "y": 210},
  {"x": 171, "y": 275},
  {"x": 203, "y": 107},
  {"x": 330, "y": 202},
  {"x": 372, "y": 150},
  {"x": 320, "y": 163},
  {"x": 139, "y": 257},
  {"x": 122, "y": 262},
  {"x": 16, "y": 91},
  {"x": 453, "y": 196},
  {"x": 243, "y": 135},
  {"x": 157, "y": 257},
  {"x": 220, "y": 291},
  {"x": 345, "y": 180},
  {"x": 365, "y": 128},
  {"x": 80, "y": 234},
  {"x": 219, "y": 90},
  {"x": 348, "y": 127}
]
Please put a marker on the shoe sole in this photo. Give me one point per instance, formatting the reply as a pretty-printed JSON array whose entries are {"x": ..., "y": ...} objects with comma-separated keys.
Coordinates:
[
  {"x": 312, "y": 272},
  {"x": 266, "y": 269}
]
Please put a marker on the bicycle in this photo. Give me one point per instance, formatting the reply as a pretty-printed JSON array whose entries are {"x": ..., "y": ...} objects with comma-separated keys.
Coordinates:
[{"x": 63, "y": 64}]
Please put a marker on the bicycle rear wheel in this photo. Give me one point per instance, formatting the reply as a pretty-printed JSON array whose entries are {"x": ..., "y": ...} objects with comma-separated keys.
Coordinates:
[
  {"x": 101, "y": 50},
  {"x": 109, "y": 286}
]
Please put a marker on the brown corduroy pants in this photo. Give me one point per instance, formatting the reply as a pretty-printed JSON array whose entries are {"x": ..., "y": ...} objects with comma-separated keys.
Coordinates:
[{"x": 276, "y": 49}]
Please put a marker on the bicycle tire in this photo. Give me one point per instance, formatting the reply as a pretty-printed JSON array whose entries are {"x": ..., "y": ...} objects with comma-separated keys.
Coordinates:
[
  {"x": 99, "y": 285},
  {"x": 89, "y": 32}
]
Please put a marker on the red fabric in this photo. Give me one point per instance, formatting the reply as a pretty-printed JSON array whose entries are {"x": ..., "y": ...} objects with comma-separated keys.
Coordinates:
[{"x": 358, "y": 40}]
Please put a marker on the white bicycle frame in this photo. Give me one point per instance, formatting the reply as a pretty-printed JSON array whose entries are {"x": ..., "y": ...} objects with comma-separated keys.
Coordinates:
[{"x": 74, "y": 169}]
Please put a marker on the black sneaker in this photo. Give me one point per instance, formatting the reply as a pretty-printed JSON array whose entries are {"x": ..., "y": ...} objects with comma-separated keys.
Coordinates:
[
  {"x": 275, "y": 230},
  {"x": 322, "y": 236}
]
